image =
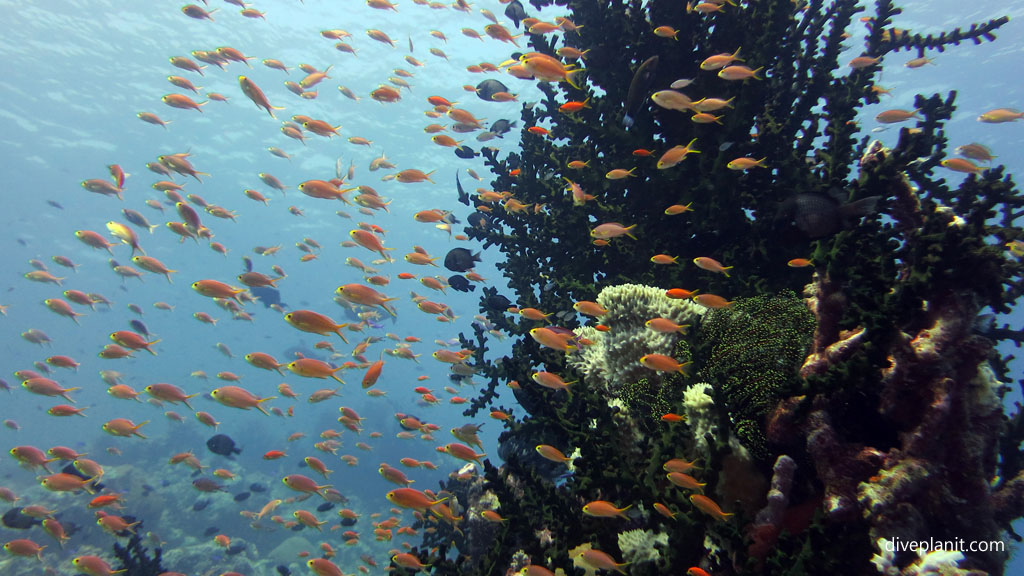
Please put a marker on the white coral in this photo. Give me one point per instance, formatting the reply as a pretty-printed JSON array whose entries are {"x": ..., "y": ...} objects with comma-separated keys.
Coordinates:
[
  {"x": 639, "y": 546},
  {"x": 936, "y": 562},
  {"x": 700, "y": 413},
  {"x": 702, "y": 418},
  {"x": 883, "y": 561},
  {"x": 614, "y": 357}
]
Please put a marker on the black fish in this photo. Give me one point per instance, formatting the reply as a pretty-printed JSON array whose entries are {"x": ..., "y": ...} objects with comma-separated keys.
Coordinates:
[
  {"x": 465, "y": 152},
  {"x": 325, "y": 507},
  {"x": 460, "y": 260},
  {"x": 257, "y": 487},
  {"x": 13, "y": 518},
  {"x": 515, "y": 12},
  {"x": 818, "y": 215},
  {"x": 235, "y": 549},
  {"x": 488, "y": 88},
  {"x": 459, "y": 282},
  {"x": 139, "y": 327},
  {"x": 463, "y": 196},
  {"x": 223, "y": 445},
  {"x": 248, "y": 263},
  {"x": 637, "y": 94},
  {"x": 55, "y": 204},
  {"x": 478, "y": 220},
  {"x": 242, "y": 496},
  {"x": 283, "y": 570},
  {"x": 211, "y": 531},
  {"x": 4, "y": 385},
  {"x": 502, "y": 127},
  {"x": 200, "y": 505},
  {"x": 348, "y": 522},
  {"x": 498, "y": 302}
]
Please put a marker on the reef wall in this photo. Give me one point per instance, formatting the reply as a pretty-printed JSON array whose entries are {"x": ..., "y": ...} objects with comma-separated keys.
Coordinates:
[{"x": 868, "y": 409}]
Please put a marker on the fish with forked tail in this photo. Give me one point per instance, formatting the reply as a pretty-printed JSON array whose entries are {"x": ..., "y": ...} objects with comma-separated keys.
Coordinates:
[{"x": 822, "y": 214}]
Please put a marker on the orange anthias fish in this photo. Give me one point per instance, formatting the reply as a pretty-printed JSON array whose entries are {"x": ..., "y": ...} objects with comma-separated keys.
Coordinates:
[
  {"x": 709, "y": 507},
  {"x": 250, "y": 89},
  {"x": 412, "y": 498},
  {"x": 314, "y": 322},
  {"x": 238, "y": 397},
  {"x": 548, "y": 69},
  {"x": 304, "y": 484},
  {"x": 313, "y": 368},
  {"x": 604, "y": 509}
]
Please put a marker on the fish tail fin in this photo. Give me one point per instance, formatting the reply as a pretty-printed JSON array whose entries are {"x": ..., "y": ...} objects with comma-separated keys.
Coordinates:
[
  {"x": 629, "y": 233},
  {"x": 259, "y": 404},
  {"x": 736, "y": 54}
]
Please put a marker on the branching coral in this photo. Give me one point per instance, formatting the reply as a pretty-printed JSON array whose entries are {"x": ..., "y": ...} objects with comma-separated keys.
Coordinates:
[{"x": 135, "y": 559}]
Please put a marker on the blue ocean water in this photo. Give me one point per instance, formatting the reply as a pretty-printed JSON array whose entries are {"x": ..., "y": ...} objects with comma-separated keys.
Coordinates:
[{"x": 74, "y": 76}]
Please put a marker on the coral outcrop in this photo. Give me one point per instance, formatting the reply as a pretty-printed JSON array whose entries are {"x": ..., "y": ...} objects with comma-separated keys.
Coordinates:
[
  {"x": 613, "y": 360},
  {"x": 873, "y": 404}
]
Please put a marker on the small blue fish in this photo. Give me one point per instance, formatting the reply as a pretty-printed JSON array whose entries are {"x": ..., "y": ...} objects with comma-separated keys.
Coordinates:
[{"x": 139, "y": 327}]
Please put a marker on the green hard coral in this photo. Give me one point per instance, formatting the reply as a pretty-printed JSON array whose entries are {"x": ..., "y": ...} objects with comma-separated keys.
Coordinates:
[
  {"x": 651, "y": 399},
  {"x": 752, "y": 351}
]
